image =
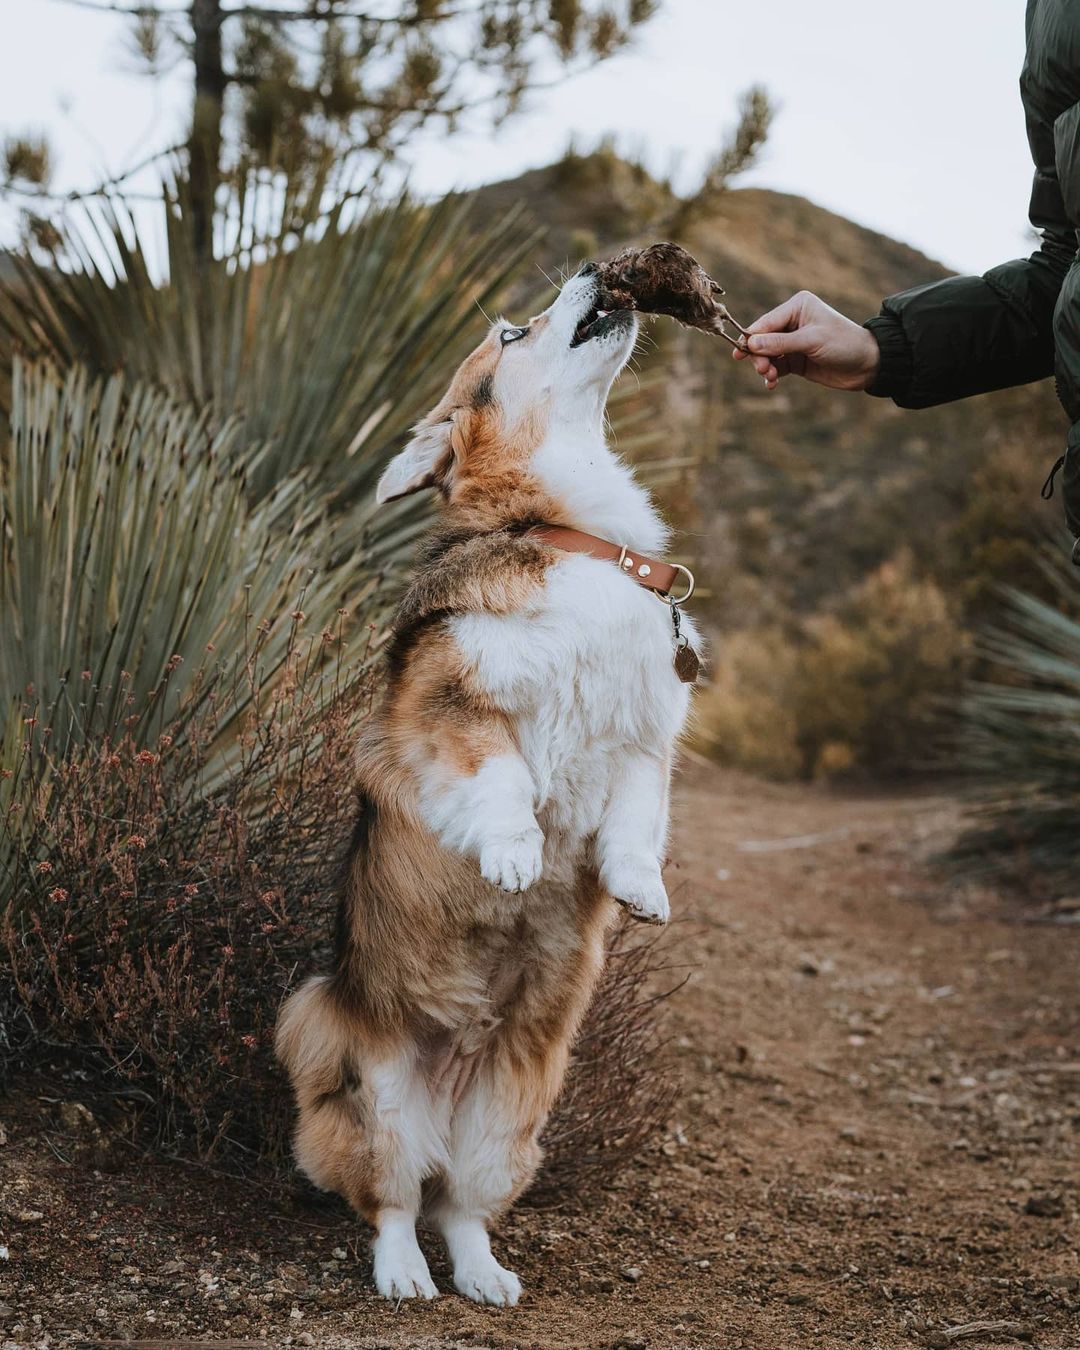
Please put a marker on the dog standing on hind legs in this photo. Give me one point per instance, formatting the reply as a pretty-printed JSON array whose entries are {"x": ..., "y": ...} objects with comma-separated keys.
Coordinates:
[{"x": 513, "y": 783}]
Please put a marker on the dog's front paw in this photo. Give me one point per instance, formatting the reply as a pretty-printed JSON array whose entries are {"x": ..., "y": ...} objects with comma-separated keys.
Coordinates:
[
  {"x": 485, "y": 1281},
  {"x": 640, "y": 890},
  {"x": 514, "y": 864}
]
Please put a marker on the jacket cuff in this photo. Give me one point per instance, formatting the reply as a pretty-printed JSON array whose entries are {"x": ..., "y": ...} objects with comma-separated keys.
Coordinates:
[{"x": 894, "y": 374}]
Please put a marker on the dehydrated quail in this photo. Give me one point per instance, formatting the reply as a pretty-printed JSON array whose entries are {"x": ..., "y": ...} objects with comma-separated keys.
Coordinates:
[{"x": 665, "y": 279}]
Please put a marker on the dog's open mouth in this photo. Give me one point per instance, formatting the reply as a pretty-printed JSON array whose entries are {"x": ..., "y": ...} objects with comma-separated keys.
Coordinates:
[{"x": 597, "y": 322}]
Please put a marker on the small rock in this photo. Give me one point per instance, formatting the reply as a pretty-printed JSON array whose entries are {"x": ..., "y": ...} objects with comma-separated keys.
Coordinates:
[
  {"x": 295, "y": 1314},
  {"x": 631, "y": 1341},
  {"x": 631, "y": 1273},
  {"x": 340, "y": 1254},
  {"x": 30, "y": 1215},
  {"x": 850, "y": 1134},
  {"x": 74, "y": 1116},
  {"x": 1048, "y": 1205}
]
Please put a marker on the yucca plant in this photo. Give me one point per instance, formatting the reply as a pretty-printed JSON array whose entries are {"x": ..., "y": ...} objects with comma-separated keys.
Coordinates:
[
  {"x": 135, "y": 573},
  {"x": 329, "y": 327},
  {"x": 1021, "y": 744},
  {"x": 130, "y": 549}
]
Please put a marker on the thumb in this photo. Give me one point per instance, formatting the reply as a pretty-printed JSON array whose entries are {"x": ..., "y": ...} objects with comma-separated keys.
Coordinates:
[
  {"x": 787, "y": 315},
  {"x": 781, "y": 344}
]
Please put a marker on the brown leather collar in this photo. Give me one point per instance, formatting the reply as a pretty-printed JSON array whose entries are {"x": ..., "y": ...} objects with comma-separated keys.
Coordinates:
[{"x": 654, "y": 575}]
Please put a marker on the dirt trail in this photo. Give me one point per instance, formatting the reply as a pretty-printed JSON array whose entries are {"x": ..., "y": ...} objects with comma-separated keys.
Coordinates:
[{"x": 876, "y": 1138}]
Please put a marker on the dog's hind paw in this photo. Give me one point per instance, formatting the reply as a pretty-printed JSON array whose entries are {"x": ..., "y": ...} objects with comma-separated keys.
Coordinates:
[
  {"x": 488, "y": 1282},
  {"x": 644, "y": 897},
  {"x": 400, "y": 1269},
  {"x": 514, "y": 864},
  {"x": 403, "y": 1282}
]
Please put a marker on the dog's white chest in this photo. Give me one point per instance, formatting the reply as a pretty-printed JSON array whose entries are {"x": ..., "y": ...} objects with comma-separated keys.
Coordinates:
[{"x": 587, "y": 672}]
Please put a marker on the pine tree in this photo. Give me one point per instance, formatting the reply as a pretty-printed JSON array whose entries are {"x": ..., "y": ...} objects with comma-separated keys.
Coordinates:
[{"x": 288, "y": 85}]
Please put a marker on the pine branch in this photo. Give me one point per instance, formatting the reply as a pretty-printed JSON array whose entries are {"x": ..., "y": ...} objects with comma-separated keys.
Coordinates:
[
  {"x": 330, "y": 12},
  {"x": 131, "y": 11},
  {"x": 40, "y": 193},
  {"x": 326, "y": 13}
]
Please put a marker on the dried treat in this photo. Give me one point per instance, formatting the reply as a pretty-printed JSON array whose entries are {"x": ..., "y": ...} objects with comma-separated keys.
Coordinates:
[{"x": 665, "y": 279}]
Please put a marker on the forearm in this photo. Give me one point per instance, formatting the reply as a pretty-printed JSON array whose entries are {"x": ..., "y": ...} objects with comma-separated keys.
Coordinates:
[
  {"x": 969, "y": 335},
  {"x": 631, "y": 837},
  {"x": 488, "y": 815}
]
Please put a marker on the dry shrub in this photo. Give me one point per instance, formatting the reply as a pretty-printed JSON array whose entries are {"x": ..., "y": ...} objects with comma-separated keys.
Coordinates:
[
  {"x": 744, "y": 716},
  {"x": 858, "y": 689},
  {"x": 163, "y": 898}
]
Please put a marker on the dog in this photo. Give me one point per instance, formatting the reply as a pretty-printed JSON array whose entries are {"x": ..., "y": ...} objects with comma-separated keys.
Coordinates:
[{"x": 514, "y": 782}]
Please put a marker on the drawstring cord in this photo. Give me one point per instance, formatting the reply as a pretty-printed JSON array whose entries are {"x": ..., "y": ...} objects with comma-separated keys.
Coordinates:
[
  {"x": 1048, "y": 486},
  {"x": 1047, "y": 493}
]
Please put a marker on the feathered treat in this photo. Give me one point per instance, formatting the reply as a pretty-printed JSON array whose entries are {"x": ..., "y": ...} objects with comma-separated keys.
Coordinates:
[{"x": 665, "y": 279}]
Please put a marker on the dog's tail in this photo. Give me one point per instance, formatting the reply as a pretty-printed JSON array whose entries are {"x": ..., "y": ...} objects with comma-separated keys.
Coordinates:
[{"x": 313, "y": 1041}]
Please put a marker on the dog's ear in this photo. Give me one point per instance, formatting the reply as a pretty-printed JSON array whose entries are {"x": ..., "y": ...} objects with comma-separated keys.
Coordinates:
[{"x": 421, "y": 464}]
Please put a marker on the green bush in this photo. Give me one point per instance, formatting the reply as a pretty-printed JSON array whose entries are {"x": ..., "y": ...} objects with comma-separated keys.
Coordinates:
[
  {"x": 1020, "y": 741},
  {"x": 861, "y": 689}
]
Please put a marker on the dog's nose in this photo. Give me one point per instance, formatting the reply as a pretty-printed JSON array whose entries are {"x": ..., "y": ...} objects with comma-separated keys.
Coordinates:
[{"x": 588, "y": 269}]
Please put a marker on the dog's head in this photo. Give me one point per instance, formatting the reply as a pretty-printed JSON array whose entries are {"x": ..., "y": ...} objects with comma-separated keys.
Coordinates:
[{"x": 554, "y": 371}]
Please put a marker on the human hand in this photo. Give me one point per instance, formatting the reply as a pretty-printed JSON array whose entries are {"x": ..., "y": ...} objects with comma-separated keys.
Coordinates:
[{"x": 805, "y": 336}]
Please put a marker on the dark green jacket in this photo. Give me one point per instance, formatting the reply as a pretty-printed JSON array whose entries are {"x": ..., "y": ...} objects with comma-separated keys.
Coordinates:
[{"x": 1021, "y": 321}]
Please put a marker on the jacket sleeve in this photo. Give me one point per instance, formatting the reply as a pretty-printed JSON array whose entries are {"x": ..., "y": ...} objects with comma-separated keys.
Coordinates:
[{"x": 967, "y": 335}]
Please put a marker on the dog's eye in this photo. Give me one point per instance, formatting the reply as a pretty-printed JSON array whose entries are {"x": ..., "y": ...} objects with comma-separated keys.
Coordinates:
[{"x": 512, "y": 335}]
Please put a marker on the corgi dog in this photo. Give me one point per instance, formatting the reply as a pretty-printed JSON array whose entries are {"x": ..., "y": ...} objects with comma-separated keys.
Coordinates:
[{"x": 511, "y": 788}]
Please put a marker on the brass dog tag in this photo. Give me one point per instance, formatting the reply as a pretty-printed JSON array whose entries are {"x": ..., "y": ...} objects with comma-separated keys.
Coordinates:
[{"x": 687, "y": 661}]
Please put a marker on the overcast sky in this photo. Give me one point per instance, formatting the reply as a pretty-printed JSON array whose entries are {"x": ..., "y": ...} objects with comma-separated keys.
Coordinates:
[{"x": 905, "y": 118}]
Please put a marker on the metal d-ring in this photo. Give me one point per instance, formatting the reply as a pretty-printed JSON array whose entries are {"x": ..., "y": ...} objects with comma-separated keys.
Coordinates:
[{"x": 681, "y": 599}]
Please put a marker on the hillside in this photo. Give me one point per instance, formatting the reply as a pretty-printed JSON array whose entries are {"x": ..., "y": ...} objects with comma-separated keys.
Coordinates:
[{"x": 844, "y": 475}]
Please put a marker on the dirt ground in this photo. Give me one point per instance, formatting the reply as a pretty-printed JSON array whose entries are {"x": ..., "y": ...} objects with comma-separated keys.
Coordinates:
[{"x": 876, "y": 1141}]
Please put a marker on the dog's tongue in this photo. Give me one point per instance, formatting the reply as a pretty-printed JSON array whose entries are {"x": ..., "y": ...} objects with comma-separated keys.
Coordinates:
[{"x": 664, "y": 279}]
